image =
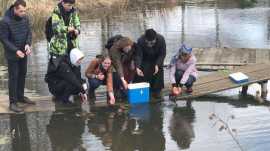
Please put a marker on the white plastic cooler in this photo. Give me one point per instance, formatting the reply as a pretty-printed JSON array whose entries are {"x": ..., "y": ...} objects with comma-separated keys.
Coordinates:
[{"x": 239, "y": 77}]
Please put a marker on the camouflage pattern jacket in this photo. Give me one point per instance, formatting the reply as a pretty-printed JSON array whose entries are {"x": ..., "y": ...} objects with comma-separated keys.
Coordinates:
[{"x": 59, "y": 44}]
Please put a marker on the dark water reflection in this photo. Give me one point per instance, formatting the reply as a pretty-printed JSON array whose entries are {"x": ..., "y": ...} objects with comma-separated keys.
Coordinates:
[{"x": 159, "y": 127}]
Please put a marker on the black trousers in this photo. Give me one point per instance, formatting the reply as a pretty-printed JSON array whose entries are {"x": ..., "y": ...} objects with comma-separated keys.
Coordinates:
[
  {"x": 16, "y": 79},
  {"x": 62, "y": 90}
]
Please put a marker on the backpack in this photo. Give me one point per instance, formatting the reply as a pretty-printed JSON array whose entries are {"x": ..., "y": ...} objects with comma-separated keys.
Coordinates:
[
  {"x": 112, "y": 40},
  {"x": 48, "y": 29}
]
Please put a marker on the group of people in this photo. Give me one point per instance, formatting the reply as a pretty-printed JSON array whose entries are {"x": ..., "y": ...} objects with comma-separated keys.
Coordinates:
[{"x": 126, "y": 61}]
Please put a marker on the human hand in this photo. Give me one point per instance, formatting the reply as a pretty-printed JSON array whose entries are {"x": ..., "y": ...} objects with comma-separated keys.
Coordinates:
[
  {"x": 20, "y": 54},
  {"x": 28, "y": 50},
  {"x": 156, "y": 70},
  {"x": 71, "y": 29},
  {"x": 112, "y": 99},
  {"x": 139, "y": 72},
  {"x": 176, "y": 91},
  {"x": 76, "y": 32},
  {"x": 125, "y": 84},
  {"x": 100, "y": 76}
]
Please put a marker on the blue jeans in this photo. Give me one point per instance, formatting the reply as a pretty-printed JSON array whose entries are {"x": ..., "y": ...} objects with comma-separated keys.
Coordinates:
[
  {"x": 179, "y": 75},
  {"x": 95, "y": 83}
]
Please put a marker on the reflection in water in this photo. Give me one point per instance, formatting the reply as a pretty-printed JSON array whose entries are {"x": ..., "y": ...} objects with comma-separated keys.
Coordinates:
[
  {"x": 65, "y": 130},
  {"x": 24, "y": 132},
  {"x": 37, "y": 125},
  {"x": 181, "y": 128},
  {"x": 268, "y": 26},
  {"x": 247, "y": 3},
  {"x": 142, "y": 127},
  {"x": 19, "y": 132},
  {"x": 5, "y": 135},
  {"x": 139, "y": 129}
]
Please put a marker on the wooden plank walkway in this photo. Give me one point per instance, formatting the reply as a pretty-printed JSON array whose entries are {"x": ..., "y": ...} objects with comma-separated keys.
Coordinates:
[
  {"x": 214, "y": 82},
  {"x": 219, "y": 81}
]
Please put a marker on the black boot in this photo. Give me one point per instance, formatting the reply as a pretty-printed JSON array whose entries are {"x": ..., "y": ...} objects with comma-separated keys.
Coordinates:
[{"x": 14, "y": 107}]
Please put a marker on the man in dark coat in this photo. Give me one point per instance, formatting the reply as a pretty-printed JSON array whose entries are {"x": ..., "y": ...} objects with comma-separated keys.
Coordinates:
[
  {"x": 16, "y": 37},
  {"x": 149, "y": 61}
]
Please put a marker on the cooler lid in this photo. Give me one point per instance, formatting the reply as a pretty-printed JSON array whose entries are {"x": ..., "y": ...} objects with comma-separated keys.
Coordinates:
[
  {"x": 238, "y": 76},
  {"x": 138, "y": 85}
]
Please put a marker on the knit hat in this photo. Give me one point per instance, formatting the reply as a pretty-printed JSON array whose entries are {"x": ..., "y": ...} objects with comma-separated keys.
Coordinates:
[
  {"x": 75, "y": 56},
  {"x": 184, "y": 49},
  {"x": 150, "y": 34}
]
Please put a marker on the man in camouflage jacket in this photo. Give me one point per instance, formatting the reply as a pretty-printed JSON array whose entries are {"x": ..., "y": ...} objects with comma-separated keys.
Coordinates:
[{"x": 66, "y": 28}]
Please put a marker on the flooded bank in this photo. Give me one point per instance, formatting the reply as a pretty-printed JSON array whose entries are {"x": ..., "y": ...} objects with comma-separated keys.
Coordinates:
[
  {"x": 160, "y": 127},
  {"x": 220, "y": 23}
]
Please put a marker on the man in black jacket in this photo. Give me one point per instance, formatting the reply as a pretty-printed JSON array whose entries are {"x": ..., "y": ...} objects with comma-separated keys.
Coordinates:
[
  {"x": 16, "y": 37},
  {"x": 151, "y": 53}
]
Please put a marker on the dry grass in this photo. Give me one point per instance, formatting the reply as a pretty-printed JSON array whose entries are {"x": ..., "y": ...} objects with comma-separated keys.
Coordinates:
[
  {"x": 40, "y": 10},
  {"x": 100, "y": 7}
]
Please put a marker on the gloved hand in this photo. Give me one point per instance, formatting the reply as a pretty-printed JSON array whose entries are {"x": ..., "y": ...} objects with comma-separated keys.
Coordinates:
[{"x": 85, "y": 87}]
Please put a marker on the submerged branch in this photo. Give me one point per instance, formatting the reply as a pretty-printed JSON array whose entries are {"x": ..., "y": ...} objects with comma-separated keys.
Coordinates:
[{"x": 226, "y": 126}]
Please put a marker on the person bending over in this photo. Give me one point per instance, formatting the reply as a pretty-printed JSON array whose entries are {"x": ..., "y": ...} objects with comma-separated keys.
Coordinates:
[{"x": 99, "y": 73}]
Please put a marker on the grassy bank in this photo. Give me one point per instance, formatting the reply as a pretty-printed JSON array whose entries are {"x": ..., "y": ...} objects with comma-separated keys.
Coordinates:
[{"x": 40, "y": 10}]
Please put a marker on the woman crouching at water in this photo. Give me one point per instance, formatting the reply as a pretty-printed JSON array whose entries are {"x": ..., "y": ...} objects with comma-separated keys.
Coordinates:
[
  {"x": 183, "y": 71},
  {"x": 99, "y": 73}
]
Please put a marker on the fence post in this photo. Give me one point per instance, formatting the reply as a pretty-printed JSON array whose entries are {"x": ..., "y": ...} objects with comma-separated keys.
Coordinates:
[
  {"x": 244, "y": 90},
  {"x": 264, "y": 90}
]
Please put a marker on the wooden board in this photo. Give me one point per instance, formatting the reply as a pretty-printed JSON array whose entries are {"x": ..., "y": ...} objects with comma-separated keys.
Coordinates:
[{"x": 217, "y": 82}]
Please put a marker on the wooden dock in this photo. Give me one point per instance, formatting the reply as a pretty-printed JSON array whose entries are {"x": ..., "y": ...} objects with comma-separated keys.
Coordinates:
[
  {"x": 211, "y": 83},
  {"x": 219, "y": 81}
]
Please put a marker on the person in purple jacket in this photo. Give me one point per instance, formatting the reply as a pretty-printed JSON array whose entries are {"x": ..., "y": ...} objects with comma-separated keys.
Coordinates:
[{"x": 183, "y": 71}]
